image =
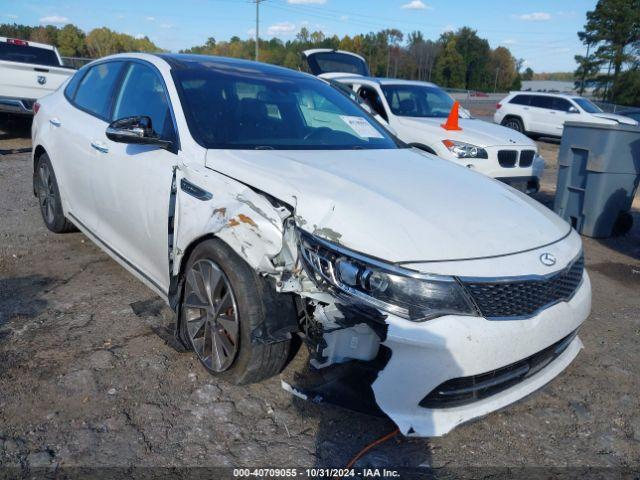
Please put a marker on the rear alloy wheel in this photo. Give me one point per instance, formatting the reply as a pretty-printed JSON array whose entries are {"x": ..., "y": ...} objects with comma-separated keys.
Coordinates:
[
  {"x": 211, "y": 315},
  {"x": 514, "y": 124},
  {"x": 46, "y": 188}
]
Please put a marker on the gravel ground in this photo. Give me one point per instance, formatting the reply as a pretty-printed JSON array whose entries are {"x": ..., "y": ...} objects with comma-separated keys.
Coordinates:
[{"x": 89, "y": 376}]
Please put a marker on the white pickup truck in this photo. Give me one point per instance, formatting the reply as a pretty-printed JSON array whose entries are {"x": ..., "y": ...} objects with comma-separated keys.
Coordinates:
[{"x": 28, "y": 71}]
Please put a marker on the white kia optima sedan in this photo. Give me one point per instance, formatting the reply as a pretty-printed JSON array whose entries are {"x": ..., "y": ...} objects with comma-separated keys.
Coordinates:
[{"x": 262, "y": 203}]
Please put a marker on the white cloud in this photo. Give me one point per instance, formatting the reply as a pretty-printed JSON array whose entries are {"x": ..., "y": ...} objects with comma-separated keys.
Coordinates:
[
  {"x": 416, "y": 5},
  {"x": 344, "y": 18},
  {"x": 139, "y": 36},
  {"x": 447, "y": 28},
  {"x": 54, "y": 20},
  {"x": 11, "y": 16},
  {"x": 307, "y": 2},
  {"x": 166, "y": 25},
  {"x": 150, "y": 19},
  {"x": 281, "y": 29},
  {"x": 509, "y": 41},
  {"x": 535, "y": 16}
]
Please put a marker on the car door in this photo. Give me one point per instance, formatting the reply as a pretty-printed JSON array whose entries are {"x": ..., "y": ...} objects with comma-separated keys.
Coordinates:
[
  {"x": 133, "y": 182},
  {"x": 543, "y": 117},
  {"x": 76, "y": 123},
  {"x": 564, "y": 111}
]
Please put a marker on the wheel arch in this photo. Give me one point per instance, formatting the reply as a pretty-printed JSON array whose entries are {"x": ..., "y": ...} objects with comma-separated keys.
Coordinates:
[
  {"x": 38, "y": 151},
  {"x": 516, "y": 117}
]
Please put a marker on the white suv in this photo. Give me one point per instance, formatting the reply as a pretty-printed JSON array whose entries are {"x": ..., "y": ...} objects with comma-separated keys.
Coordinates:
[
  {"x": 539, "y": 113},
  {"x": 417, "y": 113}
]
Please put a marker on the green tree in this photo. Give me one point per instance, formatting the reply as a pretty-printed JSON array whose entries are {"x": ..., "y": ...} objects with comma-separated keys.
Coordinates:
[
  {"x": 613, "y": 29},
  {"x": 450, "y": 67},
  {"x": 71, "y": 41},
  {"x": 527, "y": 74}
]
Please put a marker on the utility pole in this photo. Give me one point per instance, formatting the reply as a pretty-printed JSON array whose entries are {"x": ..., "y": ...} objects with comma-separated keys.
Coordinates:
[
  {"x": 495, "y": 83},
  {"x": 257, "y": 2}
]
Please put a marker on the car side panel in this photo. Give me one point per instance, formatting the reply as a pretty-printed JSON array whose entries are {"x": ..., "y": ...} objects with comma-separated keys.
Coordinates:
[{"x": 209, "y": 203}]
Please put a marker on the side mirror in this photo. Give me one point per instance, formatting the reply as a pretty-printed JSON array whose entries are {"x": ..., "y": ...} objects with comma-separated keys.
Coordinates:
[
  {"x": 135, "y": 130},
  {"x": 573, "y": 110}
]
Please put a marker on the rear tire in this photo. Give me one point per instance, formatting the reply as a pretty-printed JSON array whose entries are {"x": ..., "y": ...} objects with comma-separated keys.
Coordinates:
[
  {"x": 46, "y": 187},
  {"x": 513, "y": 123},
  {"x": 224, "y": 301}
]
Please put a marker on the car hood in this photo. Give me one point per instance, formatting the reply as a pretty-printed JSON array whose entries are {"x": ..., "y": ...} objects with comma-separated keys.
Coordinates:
[
  {"x": 617, "y": 118},
  {"x": 474, "y": 131},
  {"x": 398, "y": 205}
]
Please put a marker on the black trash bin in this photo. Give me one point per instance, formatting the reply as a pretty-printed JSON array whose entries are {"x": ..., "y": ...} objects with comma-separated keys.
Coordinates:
[{"x": 599, "y": 171}]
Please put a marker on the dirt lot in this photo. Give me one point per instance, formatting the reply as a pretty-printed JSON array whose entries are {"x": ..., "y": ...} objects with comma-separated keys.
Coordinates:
[{"x": 88, "y": 376}]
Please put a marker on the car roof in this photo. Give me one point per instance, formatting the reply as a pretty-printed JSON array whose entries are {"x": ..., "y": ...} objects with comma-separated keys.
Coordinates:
[
  {"x": 180, "y": 61},
  {"x": 31, "y": 44},
  {"x": 547, "y": 94},
  {"x": 382, "y": 81}
]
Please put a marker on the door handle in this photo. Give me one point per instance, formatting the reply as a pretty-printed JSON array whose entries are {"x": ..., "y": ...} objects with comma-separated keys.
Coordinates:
[
  {"x": 100, "y": 147},
  {"x": 55, "y": 122},
  {"x": 552, "y": 112}
]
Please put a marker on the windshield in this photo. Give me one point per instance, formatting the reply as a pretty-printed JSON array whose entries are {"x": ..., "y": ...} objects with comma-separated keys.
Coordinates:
[
  {"x": 587, "y": 105},
  {"x": 28, "y": 54},
  {"x": 236, "y": 109},
  {"x": 417, "y": 100}
]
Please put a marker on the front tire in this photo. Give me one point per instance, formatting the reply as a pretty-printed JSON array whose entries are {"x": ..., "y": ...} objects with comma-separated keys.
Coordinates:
[
  {"x": 46, "y": 188},
  {"x": 224, "y": 301}
]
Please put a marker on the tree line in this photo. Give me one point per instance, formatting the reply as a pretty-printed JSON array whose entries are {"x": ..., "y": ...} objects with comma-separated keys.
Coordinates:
[
  {"x": 611, "y": 63},
  {"x": 458, "y": 59},
  {"x": 73, "y": 42}
]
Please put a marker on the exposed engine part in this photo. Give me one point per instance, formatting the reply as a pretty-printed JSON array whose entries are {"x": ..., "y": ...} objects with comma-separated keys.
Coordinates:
[{"x": 331, "y": 342}]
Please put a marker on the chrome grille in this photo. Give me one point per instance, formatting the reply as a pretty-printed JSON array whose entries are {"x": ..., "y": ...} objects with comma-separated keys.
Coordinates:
[
  {"x": 526, "y": 158},
  {"x": 507, "y": 158},
  {"x": 523, "y": 298}
]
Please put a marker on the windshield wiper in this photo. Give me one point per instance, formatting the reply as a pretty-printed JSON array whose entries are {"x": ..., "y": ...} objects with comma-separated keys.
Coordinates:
[{"x": 263, "y": 147}]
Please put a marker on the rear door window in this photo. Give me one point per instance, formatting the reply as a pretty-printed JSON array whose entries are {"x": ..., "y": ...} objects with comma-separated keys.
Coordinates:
[
  {"x": 521, "y": 100},
  {"x": 541, "y": 101},
  {"x": 27, "y": 54},
  {"x": 96, "y": 88}
]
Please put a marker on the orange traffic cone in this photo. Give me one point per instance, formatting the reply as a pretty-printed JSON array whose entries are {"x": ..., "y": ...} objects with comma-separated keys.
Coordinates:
[{"x": 452, "y": 120}]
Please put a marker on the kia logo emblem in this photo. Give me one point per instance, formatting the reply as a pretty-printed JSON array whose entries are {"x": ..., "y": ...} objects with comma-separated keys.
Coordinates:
[
  {"x": 547, "y": 259},
  {"x": 42, "y": 79}
]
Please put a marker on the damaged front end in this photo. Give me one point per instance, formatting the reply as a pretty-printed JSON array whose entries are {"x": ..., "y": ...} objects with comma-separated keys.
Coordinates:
[{"x": 380, "y": 337}]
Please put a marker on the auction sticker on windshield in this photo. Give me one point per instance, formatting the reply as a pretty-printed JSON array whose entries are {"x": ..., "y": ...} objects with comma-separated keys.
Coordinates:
[{"x": 361, "y": 126}]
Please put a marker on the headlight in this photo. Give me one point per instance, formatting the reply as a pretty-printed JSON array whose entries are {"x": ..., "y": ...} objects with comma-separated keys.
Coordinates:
[
  {"x": 405, "y": 293},
  {"x": 465, "y": 150}
]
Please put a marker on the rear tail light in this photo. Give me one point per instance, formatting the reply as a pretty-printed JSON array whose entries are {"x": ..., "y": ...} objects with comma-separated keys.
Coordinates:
[
  {"x": 15, "y": 41},
  {"x": 498, "y": 106},
  {"x": 36, "y": 107}
]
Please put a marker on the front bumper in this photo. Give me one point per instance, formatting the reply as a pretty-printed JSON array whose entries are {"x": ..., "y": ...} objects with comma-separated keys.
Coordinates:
[
  {"x": 492, "y": 167},
  {"x": 425, "y": 355},
  {"x": 525, "y": 184},
  {"x": 20, "y": 106}
]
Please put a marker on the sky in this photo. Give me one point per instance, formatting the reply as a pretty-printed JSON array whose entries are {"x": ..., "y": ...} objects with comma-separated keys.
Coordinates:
[{"x": 542, "y": 32}]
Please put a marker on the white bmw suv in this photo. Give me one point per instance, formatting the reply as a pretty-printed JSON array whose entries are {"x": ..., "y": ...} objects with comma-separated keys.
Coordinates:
[
  {"x": 261, "y": 203},
  {"x": 417, "y": 113},
  {"x": 544, "y": 114}
]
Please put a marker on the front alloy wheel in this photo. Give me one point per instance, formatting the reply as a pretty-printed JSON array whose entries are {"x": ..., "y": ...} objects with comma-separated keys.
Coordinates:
[{"x": 211, "y": 315}]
